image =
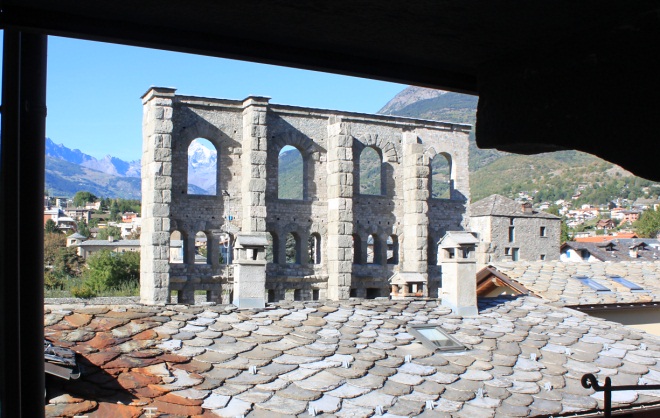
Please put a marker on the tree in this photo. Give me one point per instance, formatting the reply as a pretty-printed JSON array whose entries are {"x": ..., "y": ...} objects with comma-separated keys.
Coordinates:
[
  {"x": 108, "y": 270},
  {"x": 51, "y": 227},
  {"x": 83, "y": 228},
  {"x": 61, "y": 263},
  {"x": 113, "y": 231},
  {"x": 81, "y": 198},
  {"x": 53, "y": 242},
  {"x": 648, "y": 225}
]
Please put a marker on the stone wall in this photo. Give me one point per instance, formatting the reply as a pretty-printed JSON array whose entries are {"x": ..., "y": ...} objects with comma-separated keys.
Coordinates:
[
  {"x": 353, "y": 230},
  {"x": 527, "y": 237}
]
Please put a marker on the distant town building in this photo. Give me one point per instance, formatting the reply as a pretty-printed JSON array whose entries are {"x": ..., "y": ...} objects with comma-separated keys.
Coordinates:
[
  {"x": 79, "y": 214},
  {"x": 64, "y": 223},
  {"x": 510, "y": 231}
]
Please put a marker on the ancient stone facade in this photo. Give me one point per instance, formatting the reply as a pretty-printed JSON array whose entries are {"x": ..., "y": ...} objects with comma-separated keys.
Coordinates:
[{"x": 357, "y": 241}]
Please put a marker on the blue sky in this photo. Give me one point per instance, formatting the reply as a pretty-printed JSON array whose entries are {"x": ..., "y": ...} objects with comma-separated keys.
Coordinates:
[{"x": 94, "y": 90}]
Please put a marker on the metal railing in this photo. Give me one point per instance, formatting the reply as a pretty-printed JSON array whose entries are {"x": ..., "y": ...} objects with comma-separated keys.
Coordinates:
[{"x": 590, "y": 381}]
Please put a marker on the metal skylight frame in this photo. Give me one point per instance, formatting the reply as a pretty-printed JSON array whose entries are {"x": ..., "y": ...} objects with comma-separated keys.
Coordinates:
[
  {"x": 434, "y": 338},
  {"x": 634, "y": 287},
  {"x": 592, "y": 284}
]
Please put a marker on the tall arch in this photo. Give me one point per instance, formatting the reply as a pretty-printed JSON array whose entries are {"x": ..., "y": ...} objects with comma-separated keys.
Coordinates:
[
  {"x": 202, "y": 168},
  {"x": 441, "y": 182},
  {"x": 298, "y": 181},
  {"x": 371, "y": 174},
  {"x": 291, "y": 174}
]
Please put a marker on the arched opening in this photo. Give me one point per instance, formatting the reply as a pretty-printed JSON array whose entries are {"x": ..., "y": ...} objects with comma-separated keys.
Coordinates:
[
  {"x": 177, "y": 248},
  {"x": 202, "y": 253},
  {"x": 202, "y": 167},
  {"x": 314, "y": 245},
  {"x": 357, "y": 249},
  {"x": 392, "y": 249},
  {"x": 371, "y": 172},
  {"x": 293, "y": 252},
  {"x": 290, "y": 174},
  {"x": 225, "y": 246},
  {"x": 374, "y": 248},
  {"x": 272, "y": 248},
  {"x": 432, "y": 251},
  {"x": 441, "y": 182}
]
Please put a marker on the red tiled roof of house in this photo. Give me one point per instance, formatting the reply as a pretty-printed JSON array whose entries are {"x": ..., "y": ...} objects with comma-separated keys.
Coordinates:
[{"x": 605, "y": 238}]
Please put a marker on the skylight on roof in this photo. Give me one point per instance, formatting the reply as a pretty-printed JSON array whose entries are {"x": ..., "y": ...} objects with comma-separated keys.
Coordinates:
[
  {"x": 592, "y": 284},
  {"x": 630, "y": 285},
  {"x": 435, "y": 338}
]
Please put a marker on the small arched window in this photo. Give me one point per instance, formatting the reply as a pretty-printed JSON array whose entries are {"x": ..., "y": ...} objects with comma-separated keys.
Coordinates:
[
  {"x": 272, "y": 248},
  {"x": 202, "y": 168},
  {"x": 374, "y": 250},
  {"x": 177, "y": 248},
  {"x": 392, "y": 249},
  {"x": 203, "y": 255},
  {"x": 314, "y": 245},
  {"x": 357, "y": 249},
  {"x": 441, "y": 181},
  {"x": 225, "y": 248},
  {"x": 371, "y": 172},
  {"x": 290, "y": 174},
  {"x": 432, "y": 252},
  {"x": 293, "y": 253}
]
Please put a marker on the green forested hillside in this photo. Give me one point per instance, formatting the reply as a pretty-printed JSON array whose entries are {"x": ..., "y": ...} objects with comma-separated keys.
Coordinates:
[{"x": 549, "y": 176}]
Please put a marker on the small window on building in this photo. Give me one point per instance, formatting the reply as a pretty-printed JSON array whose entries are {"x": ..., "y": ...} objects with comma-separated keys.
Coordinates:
[
  {"x": 543, "y": 232},
  {"x": 592, "y": 284},
  {"x": 434, "y": 338},
  {"x": 515, "y": 254},
  {"x": 630, "y": 285},
  {"x": 352, "y": 293},
  {"x": 315, "y": 294},
  {"x": 542, "y": 257},
  {"x": 507, "y": 251},
  {"x": 297, "y": 294},
  {"x": 512, "y": 234}
]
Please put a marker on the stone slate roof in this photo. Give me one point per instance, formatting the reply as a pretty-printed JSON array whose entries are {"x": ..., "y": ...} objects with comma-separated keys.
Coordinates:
[
  {"x": 618, "y": 249},
  {"x": 525, "y": 357},
  {"x": 496, "y": 205},
  {"x": 554, "y": 281}
]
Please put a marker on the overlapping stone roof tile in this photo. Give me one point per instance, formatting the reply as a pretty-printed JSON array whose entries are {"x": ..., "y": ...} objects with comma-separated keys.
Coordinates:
[
  {"x": 556, "y": 281},
  {"x": 524, "y": 357}
]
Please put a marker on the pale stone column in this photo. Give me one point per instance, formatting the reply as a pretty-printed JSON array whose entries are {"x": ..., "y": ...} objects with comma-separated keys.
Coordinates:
[
  {"x": 340, "y": 209},
  {"x": 250, "y": 272},
  {"x": 415, "y": 207},
  {"x": 156, "y": 195},
  {"x": 253, "y": 177}
]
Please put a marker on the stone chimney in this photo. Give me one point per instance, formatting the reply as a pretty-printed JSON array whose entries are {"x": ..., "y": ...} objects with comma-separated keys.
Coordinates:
[
  {"x": 459, "y": 272},
  {"x": 250, "y": 270},
  {"x": 527, "y": 207},
  {"x": 633, "y": 252},
  {"x": 111, "y": 238}
]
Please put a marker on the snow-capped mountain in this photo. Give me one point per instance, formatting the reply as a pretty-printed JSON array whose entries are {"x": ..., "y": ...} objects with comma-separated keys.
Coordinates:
[
  {"x": 202, "y": 163},
  {"x": 108, "y": 164}
]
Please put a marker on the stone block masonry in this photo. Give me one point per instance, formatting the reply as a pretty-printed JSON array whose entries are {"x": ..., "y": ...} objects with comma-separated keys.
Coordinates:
[{"x": 346, "y": 243}]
